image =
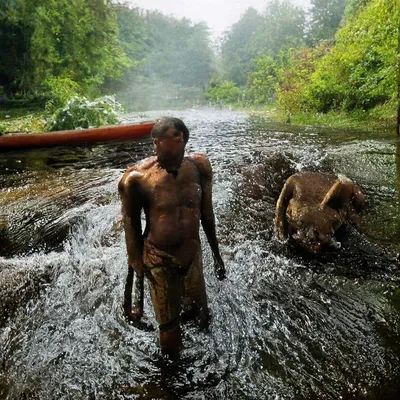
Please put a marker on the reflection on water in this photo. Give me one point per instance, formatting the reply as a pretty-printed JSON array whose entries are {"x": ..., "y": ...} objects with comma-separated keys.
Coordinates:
[{"x": 283, "y": 326}]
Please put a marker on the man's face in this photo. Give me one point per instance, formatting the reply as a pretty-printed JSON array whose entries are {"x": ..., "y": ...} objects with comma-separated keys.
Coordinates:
[{"x": 170, "y": 149}]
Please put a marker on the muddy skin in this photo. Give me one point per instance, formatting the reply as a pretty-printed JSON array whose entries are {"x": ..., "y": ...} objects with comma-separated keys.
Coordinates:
[
  {"x": 313, "y": 206},
  {"x": 175, "y": 192}
]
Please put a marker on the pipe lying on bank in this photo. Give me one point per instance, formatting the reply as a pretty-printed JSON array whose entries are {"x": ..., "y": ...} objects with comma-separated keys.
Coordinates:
[{"x": 76, "y": 137}]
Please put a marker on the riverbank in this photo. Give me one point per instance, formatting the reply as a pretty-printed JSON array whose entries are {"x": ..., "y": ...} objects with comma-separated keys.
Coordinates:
[
  {"x": 381, "y": 118},
  {"x": 22, "y": 120}
]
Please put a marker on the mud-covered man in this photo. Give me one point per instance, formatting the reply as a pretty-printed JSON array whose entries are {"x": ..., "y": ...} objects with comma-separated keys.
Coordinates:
[{"x": 175, "y": 193}]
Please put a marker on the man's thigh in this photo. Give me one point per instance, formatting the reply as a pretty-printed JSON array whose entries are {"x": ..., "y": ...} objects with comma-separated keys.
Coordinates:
[
  {"x": 166, "y": 293},
  {"x": 194, "y": 291}
]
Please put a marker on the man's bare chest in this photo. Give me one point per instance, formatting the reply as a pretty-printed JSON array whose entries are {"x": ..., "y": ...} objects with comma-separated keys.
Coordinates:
[{"x": 164, "y": 190}]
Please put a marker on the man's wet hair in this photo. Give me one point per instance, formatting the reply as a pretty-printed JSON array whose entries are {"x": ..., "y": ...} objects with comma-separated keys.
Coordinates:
[{"x": 161, "y": 127}]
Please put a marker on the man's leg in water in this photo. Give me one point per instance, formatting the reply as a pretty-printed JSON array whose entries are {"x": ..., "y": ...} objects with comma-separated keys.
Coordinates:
[
  {"x": 171, "y": 339},
  {"x": 166, "y": 290},
  {"x": 195, "y": 302}
]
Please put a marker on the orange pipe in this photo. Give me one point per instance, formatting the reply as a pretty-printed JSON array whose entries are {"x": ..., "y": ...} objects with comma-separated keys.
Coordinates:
[{"x": 75, "y": 137}]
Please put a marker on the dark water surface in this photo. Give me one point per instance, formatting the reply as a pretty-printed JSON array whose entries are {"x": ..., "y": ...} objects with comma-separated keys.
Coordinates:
[{"x": 283, "y": 327}]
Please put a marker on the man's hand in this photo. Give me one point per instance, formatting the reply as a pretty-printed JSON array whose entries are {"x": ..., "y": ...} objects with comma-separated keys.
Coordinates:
[
  {"x": 137, "y": 267},
  {"x": 219, "y": 267},
  {"x": 133, "y": 312}
]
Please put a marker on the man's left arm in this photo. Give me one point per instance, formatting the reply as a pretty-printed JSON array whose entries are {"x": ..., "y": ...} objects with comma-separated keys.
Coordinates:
[{"x": 207, "y": 213}]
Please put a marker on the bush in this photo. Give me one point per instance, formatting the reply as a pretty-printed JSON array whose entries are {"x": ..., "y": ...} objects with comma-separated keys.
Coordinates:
[
  {"x": 82, "y": 113},
  {"x": 262, "y": 82},
  {"x": 59, "y": 90},
  {"x": 223, "y": 92},
  {"x": 295, "y": 75},
  {"x": 359, "y": 72}
]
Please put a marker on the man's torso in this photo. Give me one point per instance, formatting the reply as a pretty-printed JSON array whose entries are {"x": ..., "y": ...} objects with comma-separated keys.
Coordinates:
[{"x": 173, "y": 208}]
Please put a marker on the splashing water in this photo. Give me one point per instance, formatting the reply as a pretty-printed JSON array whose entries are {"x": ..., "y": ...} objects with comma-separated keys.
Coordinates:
[{"x": 283, "y": 326}]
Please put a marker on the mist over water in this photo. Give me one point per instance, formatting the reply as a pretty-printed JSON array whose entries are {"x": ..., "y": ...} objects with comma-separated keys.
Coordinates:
[{"x": 283, "y": 325}]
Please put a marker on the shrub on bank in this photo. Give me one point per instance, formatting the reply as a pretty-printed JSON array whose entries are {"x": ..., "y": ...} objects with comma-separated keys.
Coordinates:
[
  {"x": 357, "y": 72},
  {"x": 60, "y": 90},
  {"x": 223, "y": 92},
  {"x": 82, "y": 113}
]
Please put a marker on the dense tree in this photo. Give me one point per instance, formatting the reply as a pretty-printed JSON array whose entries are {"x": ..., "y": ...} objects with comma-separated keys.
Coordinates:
[
  {"x": 133, "y": 34},
  {"x": 15, "y": 33},
  {"x": 223, "y": 92},
  {"x": 63, "y": 46},
  {"x": 171, "y": 60},
  {"x": 47, "y": 39},
  {"x": 354, "y": 7},
  {"x": 280, "y": 27},
  {"x": 326, "y": 16},
  {"x": 78, "y": 39},
  {"x": 134, "y": 40},
  {"x": 283, "y": 28},
  {"x": 180, "y": 51},
  {"x": 295, "y": 76},
  {"x": 237, "y": 53},
  {"x": 262, "y": 82},
  {"x": 397, "y": 17},
  {"x": 360, "y": 70}
]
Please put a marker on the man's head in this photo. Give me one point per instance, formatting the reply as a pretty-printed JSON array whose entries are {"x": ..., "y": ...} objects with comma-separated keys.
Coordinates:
[
  {"x": 170, "y": 136},
  {"x": 161, "y": 127}
]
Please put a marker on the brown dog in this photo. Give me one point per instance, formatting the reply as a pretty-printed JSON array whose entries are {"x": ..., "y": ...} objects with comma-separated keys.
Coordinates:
[{"x": 313, "y": 206}]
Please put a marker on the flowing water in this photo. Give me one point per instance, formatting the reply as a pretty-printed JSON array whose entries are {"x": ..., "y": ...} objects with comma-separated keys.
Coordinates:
[{"x": 283, "y": 326}]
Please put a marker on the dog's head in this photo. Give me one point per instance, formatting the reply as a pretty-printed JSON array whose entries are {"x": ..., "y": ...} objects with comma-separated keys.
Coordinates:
[{"x": 313, "y": 227}]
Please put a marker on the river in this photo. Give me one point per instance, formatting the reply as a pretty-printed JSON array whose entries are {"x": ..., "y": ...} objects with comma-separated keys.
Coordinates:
[{"x": 284, "y": 326}]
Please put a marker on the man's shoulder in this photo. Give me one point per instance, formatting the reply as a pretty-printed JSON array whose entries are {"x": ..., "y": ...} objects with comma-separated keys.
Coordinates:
[
  {"x": 201, "y": 161},
  {"x": 137, "y": 172},
  {"x": 142, "y": 166}
]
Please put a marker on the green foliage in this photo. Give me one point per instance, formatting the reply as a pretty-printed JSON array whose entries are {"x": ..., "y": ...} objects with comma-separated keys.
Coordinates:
[
  {"x": 82, "y": 113},
  {"x": 283, "y": 28},
  {"x": 133, "y": 33},
  {"x": 58, "y": 48},
  {"x": 171, "y": 60},
  {"x": 294, "y": 75},
  {"x": 237, "y": 52},
  {"x": 22, "y": 121},
  {"x": 15, "y": 33},
  {"x": 358, "y": 72},
  {"x": 279, "y": 28},
  {"x": 326, "y": 16},
  {"x": 262, "y": 82},
  {"x": 60, "y": 90},
  {"x": 381, "y": 118},
  {"x": 64, "y": 48},
  {"x": 77, "y": 38},
  {"x": 353, "y": 7},
  {"x": 49, "y": 39},
  {"x": 223, "y": 92}
]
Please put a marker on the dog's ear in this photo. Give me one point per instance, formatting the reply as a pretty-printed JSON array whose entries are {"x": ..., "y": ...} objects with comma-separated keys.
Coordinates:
[
  {"x": 358, "y": 200},
  {"x": 280, "y": 222},
  {"x": 340, "y": 194}
]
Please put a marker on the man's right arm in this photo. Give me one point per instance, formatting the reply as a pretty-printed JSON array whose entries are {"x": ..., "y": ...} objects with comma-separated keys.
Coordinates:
[{"x": 129, "y": 190}]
